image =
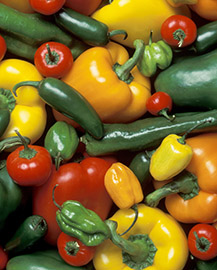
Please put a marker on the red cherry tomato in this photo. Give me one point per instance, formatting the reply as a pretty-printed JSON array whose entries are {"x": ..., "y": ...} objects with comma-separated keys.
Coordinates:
[
  {"x": 85, "y": 7},
  {"x": 47, "y": 7},
  {"x": 178, "y": 31},
  {"x": 29, "y": 165},
  {"x": 53, "y": 59},
  {"x": 3, "y": 258},
  {"x": 160, "y": 103},
  {"x": 73, "y": 251},
  {"x": 3, "y": 48},
  {"x": 202, "y": 241}
]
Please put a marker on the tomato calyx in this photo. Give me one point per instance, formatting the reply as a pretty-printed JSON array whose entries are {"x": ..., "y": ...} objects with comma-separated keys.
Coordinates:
[
  {"x": 27, "y": 152},
  {"x": 179, "y": 35},
  {"x": 51, "y": 57},
  {"x": 72, "y": 248},
  {"x": 202, "y": 243}
]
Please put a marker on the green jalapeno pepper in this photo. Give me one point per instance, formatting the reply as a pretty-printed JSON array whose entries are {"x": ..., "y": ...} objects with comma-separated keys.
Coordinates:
[
  {"x": 206, "y": 265},
  {"x": 69, "y": 102},
  {"x": 61, "y": 141}
]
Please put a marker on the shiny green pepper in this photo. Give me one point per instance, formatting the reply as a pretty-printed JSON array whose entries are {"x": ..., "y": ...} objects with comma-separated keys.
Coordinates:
[
  {"x": 61, "y": 141},
  {"x": 84, "y": 224},
  {"x": 10, "y": 195},
  {"x": 156, "y": 55}
]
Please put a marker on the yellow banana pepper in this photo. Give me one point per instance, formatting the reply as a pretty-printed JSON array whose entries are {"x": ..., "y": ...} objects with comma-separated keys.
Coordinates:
[
  {"x": 20, "y": 5},
  {"x": 156, "y": 241},
  {"x": 29, "y": 115},
  {"x": 123, "y": 186},
  {"x": 137, "y": 18},
  {"x": 118, "y": 92}
]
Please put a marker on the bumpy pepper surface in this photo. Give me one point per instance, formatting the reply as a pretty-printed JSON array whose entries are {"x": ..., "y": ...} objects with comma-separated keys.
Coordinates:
[{"x": 29, "y": 116}]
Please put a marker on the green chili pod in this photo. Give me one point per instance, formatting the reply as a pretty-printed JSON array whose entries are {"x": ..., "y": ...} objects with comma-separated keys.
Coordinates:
[
  {"x": 76, "y": 220},
  {"x": 30, "y": 231},
  {"x": 69, "y": 102},
  {"x": 61, "y": 141}
]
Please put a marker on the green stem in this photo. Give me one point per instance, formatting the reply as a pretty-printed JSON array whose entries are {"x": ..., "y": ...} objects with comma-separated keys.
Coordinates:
[
  {"x": 179, "y": 35},
  {"x": 25, "y": 83},
  {"x": 27, "y": 152},
  {"x": 164, "y": 112},
  {"x": 7, "y": 100},
  {"x": 135, "y": 208},
  {"x": 72, "y": 248},
  {"x": 202, "y": 243},
  {"x": 185, "y": 184},
  {"x": 118, "y": 32},
  {"x": 123, "y": 71},
  {"x": 13, "y": 141}
]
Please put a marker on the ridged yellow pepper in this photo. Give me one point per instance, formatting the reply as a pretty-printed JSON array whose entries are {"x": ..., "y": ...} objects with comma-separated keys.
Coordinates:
[
  {"x": 96, "y": 75},
  {"x": 21, "y": 5},
  {"x": 170, "y": 158},
  {"x": 164, "y": 248},
  {"x": 137, "y": 18},
  {"x": 29, "y": 115},
  {"x": 123, "y": 186}
]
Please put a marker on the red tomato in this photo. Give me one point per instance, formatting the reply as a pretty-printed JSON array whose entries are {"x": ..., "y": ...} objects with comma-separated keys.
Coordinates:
[
  {"x": 178, "y": 31},
  {"x": 47, "y": 7},
  {"x": 3, "y": 48},
  {"x": 73, "y": 251},
  {"x": 160, "y": 103},
  {"x": 29, "y": 166},
  {"x": 202, "y": 241},
  {"x": 85, "y": 7},
  {"x": 3, "y": 258},
  {"x": 83, "y": 182},
  {"x": 53, "y": 59}
]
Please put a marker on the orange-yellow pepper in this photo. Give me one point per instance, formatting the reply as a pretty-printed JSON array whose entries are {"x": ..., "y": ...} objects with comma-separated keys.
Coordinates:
[
  {"x": 123, "y": 186},
  {"x": 118, "y": 92},
  {"x": 20, "y": 5}
]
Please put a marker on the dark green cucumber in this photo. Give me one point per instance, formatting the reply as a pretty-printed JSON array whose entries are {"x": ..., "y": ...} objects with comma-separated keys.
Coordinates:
[{"x": 191, "y": 82}]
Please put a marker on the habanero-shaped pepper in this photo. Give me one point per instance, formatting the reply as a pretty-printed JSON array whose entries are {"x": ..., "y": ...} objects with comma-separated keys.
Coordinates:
[
  {"x": 193, "y": 198},
  {"x": 29, "y": 116},
  {"x": 156, "y": 241},
  {"x": 156, "y": 55},
  {"x": 113, "y": 86}
]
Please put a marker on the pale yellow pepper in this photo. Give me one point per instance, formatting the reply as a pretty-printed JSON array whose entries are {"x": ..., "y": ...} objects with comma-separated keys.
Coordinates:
[
  {"x": 170, "y": 158},
  {"x": 137, "y": 18},
  {"x": 29, "y": 116},
  {"x": 167, "y": 235},
  {"x": 123, "y": 186}
]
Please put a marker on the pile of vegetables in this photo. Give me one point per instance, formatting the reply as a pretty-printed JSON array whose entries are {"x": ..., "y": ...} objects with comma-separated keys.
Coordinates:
[{"x": 108, "y": 128}]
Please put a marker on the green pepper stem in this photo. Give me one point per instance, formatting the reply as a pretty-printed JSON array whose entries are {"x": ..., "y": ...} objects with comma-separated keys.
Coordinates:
[
  {"x": 25, "y": 83},
  {"x": 118, "y": 32},
  {"x": 202, "y": 243},
  {"x": 50, "y": 55},
  {"x": 13, "y": 141},
  {"x": 123, "y": 71},
  {"x": 55, "y": 203},
  {"x": 164, "y": 112},
  {"x": 184, "y": 183},
  {"x": 135, "y": 208},
  {"x": 72, "y": 248},
  {"x": 179, "y": 35},
  {"x": 7, "y": 100},
  {"x": 27, "y": 152}
]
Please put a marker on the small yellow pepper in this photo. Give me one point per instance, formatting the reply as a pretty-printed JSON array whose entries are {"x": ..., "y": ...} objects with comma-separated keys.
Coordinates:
[
  {"x": 123, "y": 186},
  {"x": 164, "y": 247},
  {"x": 29, "y": 115},
  {"x": 111, "y": 82}
]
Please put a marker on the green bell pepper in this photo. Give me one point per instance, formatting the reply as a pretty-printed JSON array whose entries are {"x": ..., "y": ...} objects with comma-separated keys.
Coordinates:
[
  {"x": 61, "y": 141},
  {"x": 41, "y": 260},
  {"x": 10, "y": 195},
  {"x": 156, "y": 55}
]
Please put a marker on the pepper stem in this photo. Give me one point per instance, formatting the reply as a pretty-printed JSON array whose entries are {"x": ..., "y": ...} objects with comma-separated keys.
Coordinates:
[
  {"x": 118, "y": 32},
  {"x": 13, "y": 141},
  {"x": 135, "y": 208},
  {"x": 185, "y": 184},
  {"x": 179, "y": 35},
  {"x": 72, "y": 248},
  {"x": 27, "y": 152},
  {"x": 202, "y": 243},
  {"x": 55, "y": 203},
  {"x": 123, "y": 71},
  {"x": 138, "y": 250},
  {"x": 183, "y": 138},
  {"x": 164, "y": 112},
  {"x": 25, "y": 83},
  {"x": 7, "y": 100}
]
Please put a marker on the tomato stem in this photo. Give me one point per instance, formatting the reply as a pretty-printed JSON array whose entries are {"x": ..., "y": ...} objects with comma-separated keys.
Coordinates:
[
  {"x": 179, "y": 35},
  {"x": 27, "y": 152}
]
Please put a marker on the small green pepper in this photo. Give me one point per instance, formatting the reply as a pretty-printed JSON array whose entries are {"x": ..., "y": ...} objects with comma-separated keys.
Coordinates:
[
  {"x": 32, "y": 229},
  {"x": 206, "y": 265},
  {"x": 61, "y": 141},
  {"x": 156, "y": 55},
  {"x": 84, "y": 224}
]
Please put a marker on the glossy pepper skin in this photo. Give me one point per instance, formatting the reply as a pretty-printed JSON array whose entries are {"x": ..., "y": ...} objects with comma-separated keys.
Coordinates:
[
  {"x": 48, "y": 259},
  {"x": 166, "y": 234},
  {"x": 82, "y": 223},
  {"x": 29, "y": 116},
  {"x": 117, "y": 92},
  {"x": 134, "y": 17},
  {"x": 170, "y": 158},
  {"x": 83, "y": 182},
  {"x": 11, "y": 195},
  {"x": 123, "y": 186},
  {"x": 156, "y": 55}
]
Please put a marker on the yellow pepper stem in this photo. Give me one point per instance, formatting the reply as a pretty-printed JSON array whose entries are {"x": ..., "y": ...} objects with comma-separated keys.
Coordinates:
[
  {"x": 185, "y": 184},
  {"x": 123, "y": 71},
  {"x": 138, "y": 250}
]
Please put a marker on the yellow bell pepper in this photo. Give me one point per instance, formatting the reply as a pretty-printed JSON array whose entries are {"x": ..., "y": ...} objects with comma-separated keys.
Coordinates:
[
  {"x": 116, "y": 90},
  {"x": 29, "y": 115},
  {"x": 155, "y": 242},
  {"x": 137, "y": 18},
  {"x": 179, "y": 3},
  {"x": 123, "y": 186},
  {"x": 20, "y": 5}
]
